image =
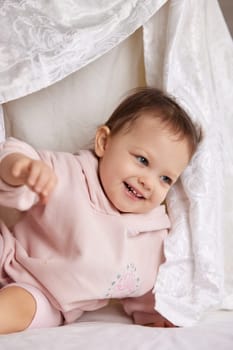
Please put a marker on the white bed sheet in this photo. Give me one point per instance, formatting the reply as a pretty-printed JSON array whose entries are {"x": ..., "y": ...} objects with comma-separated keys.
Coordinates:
[{"x": 109, "y": 328}]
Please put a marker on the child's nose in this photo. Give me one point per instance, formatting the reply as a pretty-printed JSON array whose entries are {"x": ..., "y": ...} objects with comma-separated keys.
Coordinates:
[{"x": 146, "y": 182}]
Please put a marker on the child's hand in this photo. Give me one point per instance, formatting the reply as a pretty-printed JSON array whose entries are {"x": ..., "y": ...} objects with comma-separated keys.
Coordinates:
[
  {"x": 17, "y": 169},
  {"x": 154, "y": 319},
  {"x": 141, "y": 309}
]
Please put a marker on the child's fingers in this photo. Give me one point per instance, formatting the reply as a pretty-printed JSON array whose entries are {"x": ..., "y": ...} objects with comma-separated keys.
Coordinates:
[
  {"x": 46, "y": 191},
  {"x": 42, "y": 180},
  {"x": 47, "y": 187},
  {"x": 34, "y": 173},
  {"x": 38, "y": 180},
  {"x": 20, "y": 167},
  {"x": 151, "y": 319},
  {"x": 145, "y": 318},
  {"x": 37, "y": 175}
]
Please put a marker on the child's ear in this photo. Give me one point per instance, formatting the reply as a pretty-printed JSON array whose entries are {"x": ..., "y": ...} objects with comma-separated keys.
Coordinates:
[{"x": 101, "y": 139}]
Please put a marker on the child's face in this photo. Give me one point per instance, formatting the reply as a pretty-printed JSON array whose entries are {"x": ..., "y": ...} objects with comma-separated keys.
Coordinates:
[{"x": 137, "y": 167}]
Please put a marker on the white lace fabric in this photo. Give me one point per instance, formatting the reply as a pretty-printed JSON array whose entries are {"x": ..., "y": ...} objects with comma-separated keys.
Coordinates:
[
  {"x": 196, "y": 67},
  {"x": 44, "y": 41},
  {"x": 187, "y": 51}
]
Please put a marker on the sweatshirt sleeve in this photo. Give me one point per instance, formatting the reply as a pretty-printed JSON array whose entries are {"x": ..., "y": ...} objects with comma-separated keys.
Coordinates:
[{"x": 20, "y": 197}]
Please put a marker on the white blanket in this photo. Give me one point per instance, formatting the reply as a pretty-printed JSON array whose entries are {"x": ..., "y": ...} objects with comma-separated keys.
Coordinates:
[
  {"x": 189, "y": 52},
  {"x": 110, "y": 329}
]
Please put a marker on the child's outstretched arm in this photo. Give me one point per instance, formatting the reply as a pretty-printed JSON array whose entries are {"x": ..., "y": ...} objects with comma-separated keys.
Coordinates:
[{"x": 17, "y": 169}]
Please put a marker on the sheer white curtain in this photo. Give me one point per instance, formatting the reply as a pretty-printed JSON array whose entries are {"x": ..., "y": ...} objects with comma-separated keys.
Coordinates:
[
  {"x": 42, "y": 42},
  {"x": 190, "y": 43},
  {"x": 187, "y": 51}
]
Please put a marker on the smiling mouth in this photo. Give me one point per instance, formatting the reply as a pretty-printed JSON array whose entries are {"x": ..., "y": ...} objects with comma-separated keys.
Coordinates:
[{"x": 133, "y": 192}]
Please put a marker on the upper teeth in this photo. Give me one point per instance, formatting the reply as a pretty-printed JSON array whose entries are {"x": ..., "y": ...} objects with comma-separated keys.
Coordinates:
[{"x": 133, "y": 190}]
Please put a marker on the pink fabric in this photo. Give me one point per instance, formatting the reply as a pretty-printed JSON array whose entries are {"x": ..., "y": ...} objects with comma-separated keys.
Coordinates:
[{"x": 78, "y": 250}]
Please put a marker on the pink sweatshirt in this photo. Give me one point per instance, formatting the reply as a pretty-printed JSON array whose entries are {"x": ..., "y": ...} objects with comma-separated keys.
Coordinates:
[{"x": 78, "y": 249}]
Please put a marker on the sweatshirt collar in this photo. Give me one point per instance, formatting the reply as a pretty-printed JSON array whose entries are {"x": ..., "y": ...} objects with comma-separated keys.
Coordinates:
[{"x": 156, "y": 219}]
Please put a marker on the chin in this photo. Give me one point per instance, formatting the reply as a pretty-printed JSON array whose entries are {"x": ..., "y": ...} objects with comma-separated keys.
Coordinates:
[
  {"x": 125, "y": 210},
  {"x": 132, "y": 211}
]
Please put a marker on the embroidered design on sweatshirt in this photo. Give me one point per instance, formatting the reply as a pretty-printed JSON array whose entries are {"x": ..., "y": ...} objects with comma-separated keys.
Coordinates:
[{"x": 125, "y": 283}]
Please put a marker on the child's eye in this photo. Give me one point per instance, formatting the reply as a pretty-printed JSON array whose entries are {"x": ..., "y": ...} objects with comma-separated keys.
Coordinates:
[
  {"x": 142, "y": 160},
  {"x": 166, "y": 179}
]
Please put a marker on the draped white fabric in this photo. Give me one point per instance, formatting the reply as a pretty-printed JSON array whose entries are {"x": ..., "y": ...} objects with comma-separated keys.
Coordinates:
[
  {"x": 189, "y": 52},
  {"x": 197, "y": 67},
  {"x": 41, "y": 42}
]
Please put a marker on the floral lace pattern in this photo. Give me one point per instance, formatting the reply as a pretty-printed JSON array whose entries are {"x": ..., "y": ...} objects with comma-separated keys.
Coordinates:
[
  {"x": 193, "y": 68},
  {"x": 47, "y": 40}
]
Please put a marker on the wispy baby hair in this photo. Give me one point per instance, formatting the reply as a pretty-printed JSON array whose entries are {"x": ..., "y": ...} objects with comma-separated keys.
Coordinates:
[{"x": 160, "y": 105}]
